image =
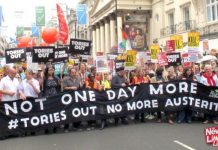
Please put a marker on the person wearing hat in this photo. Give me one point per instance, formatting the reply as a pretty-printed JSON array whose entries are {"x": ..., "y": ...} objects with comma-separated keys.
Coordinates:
[{"x": 118, "y": 81}]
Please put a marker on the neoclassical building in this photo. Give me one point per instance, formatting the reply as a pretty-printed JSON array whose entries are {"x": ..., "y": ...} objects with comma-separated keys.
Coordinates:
[{"x": 109, "y": 17}]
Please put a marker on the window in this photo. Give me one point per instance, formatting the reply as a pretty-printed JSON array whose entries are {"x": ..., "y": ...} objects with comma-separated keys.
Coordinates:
[
  {"x": 157, "y": 17},
  {"x": 171, "y": 19},
  {"x": 171, "y": 22},
  {"x": 212, "y": 10},
  {"x": 186, "y": 17}
]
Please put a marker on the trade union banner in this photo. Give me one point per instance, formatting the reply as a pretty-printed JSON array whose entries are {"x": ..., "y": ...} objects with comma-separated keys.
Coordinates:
[
  {"x": 18, "y": 117},
  {"x": 15, "y": 55}
]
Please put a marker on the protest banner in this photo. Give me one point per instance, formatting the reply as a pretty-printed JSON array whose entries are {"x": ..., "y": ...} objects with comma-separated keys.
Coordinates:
[
  {"x": 15, "y": 55},
  {"x": 18, "y": 117},
  {"x": 102, "y": 64},
  {"x": 61, "y": 54},
  {"x": 162, "y": 59},
  {"x": 43, "y": 54},
  {"x": 155, "y": 50},
  {"x": 130, "y": 60},
  {"x": 80, "y": 47},
  {"x": 174, "y": 59}
]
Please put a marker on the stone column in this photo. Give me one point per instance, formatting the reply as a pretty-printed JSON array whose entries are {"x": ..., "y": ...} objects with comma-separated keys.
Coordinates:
[
  {"x": 102, "y": 40},
  {"x": 98, "y": 45},
  {"x": 112, "y": 32},
  {"x": 107, "y": 36},
  {"x": 119, "y": 30},
  {"x": 93, "y": 41}
]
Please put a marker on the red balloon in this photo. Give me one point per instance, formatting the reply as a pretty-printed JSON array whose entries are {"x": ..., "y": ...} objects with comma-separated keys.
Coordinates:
[
  {"x": 50, "y": 35},
  {"x": 25, "y": 42}
]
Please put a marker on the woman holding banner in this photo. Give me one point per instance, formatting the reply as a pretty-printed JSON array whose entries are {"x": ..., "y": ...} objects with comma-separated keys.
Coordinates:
[
  {"x": 104, "y": 84},
  {"x": 209, "y": 79},
  {"x": 51, "y": 84},
  {"x": 158, "y": 78},
  {"x": 170, "y": 77},
  {"x": 185, "y": 115},
  {"x": 138, "y": 79}
]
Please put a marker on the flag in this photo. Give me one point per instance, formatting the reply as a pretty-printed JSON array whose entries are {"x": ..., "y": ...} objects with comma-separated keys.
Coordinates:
[
  {"x": 35, "y": 31},
  {"x": 126, "y": 45},
  {"x": 1, "y": 16},
  {"x": 81, "y": 13},
  {"x": 40, "y": 16},
  {"x": 63, "y": 27}
]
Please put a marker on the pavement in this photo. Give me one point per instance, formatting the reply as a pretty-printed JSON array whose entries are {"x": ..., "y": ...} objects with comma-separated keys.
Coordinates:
[{"x": 135, "y": 136}]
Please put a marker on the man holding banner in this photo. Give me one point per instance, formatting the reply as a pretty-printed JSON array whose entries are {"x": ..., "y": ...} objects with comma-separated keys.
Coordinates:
[
  {"x": 119, "y": 81},
  {"x": 9, "y": 86}
]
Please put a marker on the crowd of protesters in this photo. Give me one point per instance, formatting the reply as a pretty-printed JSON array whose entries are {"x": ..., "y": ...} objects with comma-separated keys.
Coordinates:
[{"x": 21, "y": 83}]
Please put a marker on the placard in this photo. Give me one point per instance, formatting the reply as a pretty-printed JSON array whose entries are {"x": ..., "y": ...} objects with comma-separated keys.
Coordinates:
[
  {"x": 43, "y": 54},
  {"x": 80, "y": 46},
  {"x": 15, "y": 55}
]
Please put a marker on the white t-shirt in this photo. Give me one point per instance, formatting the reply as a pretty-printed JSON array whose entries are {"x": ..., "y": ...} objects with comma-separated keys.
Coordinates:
[
  {"x": 11, "y": 85},
  {"x": 27, "y": 89}
]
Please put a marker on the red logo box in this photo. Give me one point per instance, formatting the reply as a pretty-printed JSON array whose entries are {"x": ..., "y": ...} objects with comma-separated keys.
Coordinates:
[{"x": 211, "y": 136}]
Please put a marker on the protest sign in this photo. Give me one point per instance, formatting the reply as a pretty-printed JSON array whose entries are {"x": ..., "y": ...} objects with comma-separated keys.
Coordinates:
[
  {"x": 178, "y": 41},
  {"x": 61, "y": 54},
  {"x": 15, "y": 55},
  {"x": 130, "y": 60},
  {"x": 170, "y": 46},
  {"x": 174, "y": 59},
  {"x": 155, "y": 50},
  {"x": 162, "y": 59},
  {"x": 43, "y": 54},
  {"x": 102, "y": 64},
  {"x": 193, "y": 39},
  {"x": 186, "y": 60},
  {"x": 80, "y": 46}
]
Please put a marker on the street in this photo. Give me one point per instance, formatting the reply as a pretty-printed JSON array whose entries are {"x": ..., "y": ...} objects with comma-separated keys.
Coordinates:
[{"x": 140, "y": 136}]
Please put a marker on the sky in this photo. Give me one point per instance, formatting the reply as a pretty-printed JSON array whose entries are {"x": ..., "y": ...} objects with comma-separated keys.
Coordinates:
[{"x": 28, "y": 8}]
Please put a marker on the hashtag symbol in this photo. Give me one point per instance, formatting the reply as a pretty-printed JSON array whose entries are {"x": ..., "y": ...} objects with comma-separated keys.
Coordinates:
[{"x": 13, "y": 124}]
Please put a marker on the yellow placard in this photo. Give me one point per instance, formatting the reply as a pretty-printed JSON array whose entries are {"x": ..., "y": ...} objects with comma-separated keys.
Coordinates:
[
  {"x": 193, "y": 39},
  {"x": 121, "y": 56},
  {"x": 155, "y": 50},
  {"x": 130, "y": 59},
  {"x": 178, "y": 41}
]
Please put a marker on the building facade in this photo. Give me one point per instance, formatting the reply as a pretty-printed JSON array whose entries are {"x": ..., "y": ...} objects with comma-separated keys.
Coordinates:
[
  {"x": 150, "y": 21},
  {"x": 109, "y": 19},
  {"x": 3, "y": 45},
  {"x": 176, "y": 17}
]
